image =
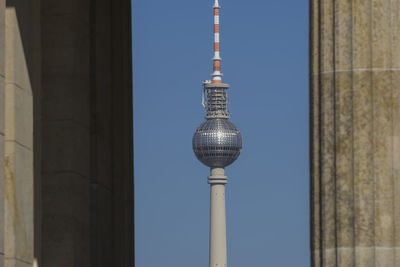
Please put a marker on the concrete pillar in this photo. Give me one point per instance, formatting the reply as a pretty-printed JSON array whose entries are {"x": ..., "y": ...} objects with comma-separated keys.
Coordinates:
[
  {"x": 355, "y": 129},
  {"x": 2, "y": 117},
  {"x": 217, "y": 181}
]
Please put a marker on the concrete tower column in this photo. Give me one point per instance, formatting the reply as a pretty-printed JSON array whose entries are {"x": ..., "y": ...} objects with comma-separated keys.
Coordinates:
[
  {"x": 217, "y": 181},
  {"x": 355, "y": 133}
]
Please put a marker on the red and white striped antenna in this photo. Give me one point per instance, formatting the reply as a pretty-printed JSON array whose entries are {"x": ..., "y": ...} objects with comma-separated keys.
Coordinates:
[
  {"x": 215, "y": 93},
  {"x": 217, "y": 75}
]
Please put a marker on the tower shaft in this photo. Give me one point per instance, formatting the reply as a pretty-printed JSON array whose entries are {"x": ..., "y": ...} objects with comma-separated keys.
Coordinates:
[{"x": 217, "y": 181}]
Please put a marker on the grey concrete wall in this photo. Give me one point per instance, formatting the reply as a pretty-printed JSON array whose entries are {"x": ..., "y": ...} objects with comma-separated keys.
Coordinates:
[
  {"x": 355, "y": 178},
  {"x": 2, "y": 117}
]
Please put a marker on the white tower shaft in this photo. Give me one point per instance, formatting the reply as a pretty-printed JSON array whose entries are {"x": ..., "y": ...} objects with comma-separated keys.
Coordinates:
[{"x": 217, "y": 181}]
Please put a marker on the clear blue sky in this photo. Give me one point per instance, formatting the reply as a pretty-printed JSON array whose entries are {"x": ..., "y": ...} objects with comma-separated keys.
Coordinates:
[{"x": 264, "y": 47}]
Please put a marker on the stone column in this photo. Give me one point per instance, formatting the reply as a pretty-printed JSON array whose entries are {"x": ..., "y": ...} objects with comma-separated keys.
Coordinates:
[
  {"x": 65, "y": 130},
  {"x": 86, "y": 134},
  {"x": 355, "y": 132},
  {"x": 66, "y": 188}
]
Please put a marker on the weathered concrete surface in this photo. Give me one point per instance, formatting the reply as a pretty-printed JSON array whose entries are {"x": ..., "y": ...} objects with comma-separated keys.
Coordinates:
[
  {"x": 2, "y": 117},
  {"x": 355, "y": 131}
]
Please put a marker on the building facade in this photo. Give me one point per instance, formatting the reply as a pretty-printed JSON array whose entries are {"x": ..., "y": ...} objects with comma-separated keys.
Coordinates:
[{"x": 66, "y": 146}]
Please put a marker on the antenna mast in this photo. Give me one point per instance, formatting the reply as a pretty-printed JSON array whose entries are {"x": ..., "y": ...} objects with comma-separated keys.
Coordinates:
[{"x": 217, "y": 75}]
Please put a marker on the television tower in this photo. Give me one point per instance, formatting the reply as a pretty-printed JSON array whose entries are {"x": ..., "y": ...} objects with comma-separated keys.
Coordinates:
[{"x": 217, "y": 143}]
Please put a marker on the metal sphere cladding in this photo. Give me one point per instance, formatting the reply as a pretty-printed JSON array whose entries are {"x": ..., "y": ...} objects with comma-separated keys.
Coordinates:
[{"x": 217, "y": 143}]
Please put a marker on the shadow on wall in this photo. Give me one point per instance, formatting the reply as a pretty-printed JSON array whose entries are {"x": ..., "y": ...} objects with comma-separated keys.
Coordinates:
[{"x": 68, "y": 133}]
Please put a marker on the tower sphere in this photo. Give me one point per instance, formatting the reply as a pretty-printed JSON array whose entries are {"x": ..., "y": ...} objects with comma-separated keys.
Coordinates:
[{"x": 217, "y": 143}]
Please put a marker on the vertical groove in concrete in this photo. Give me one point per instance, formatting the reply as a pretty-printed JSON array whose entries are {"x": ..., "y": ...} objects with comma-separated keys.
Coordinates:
[
  {"x": 122, "y": 135},
  {"x": 36, "y": 77},
  {"x": 2, "y": 117},
  {"x": 101, "y": 176},
  {"x": 327, "y": 131},
  {"x": 395, "y": 15},
  {"x": 355, "y": 146},
  {"x": 314, "y": 131},
  {"x": 344, "y": 133}
]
